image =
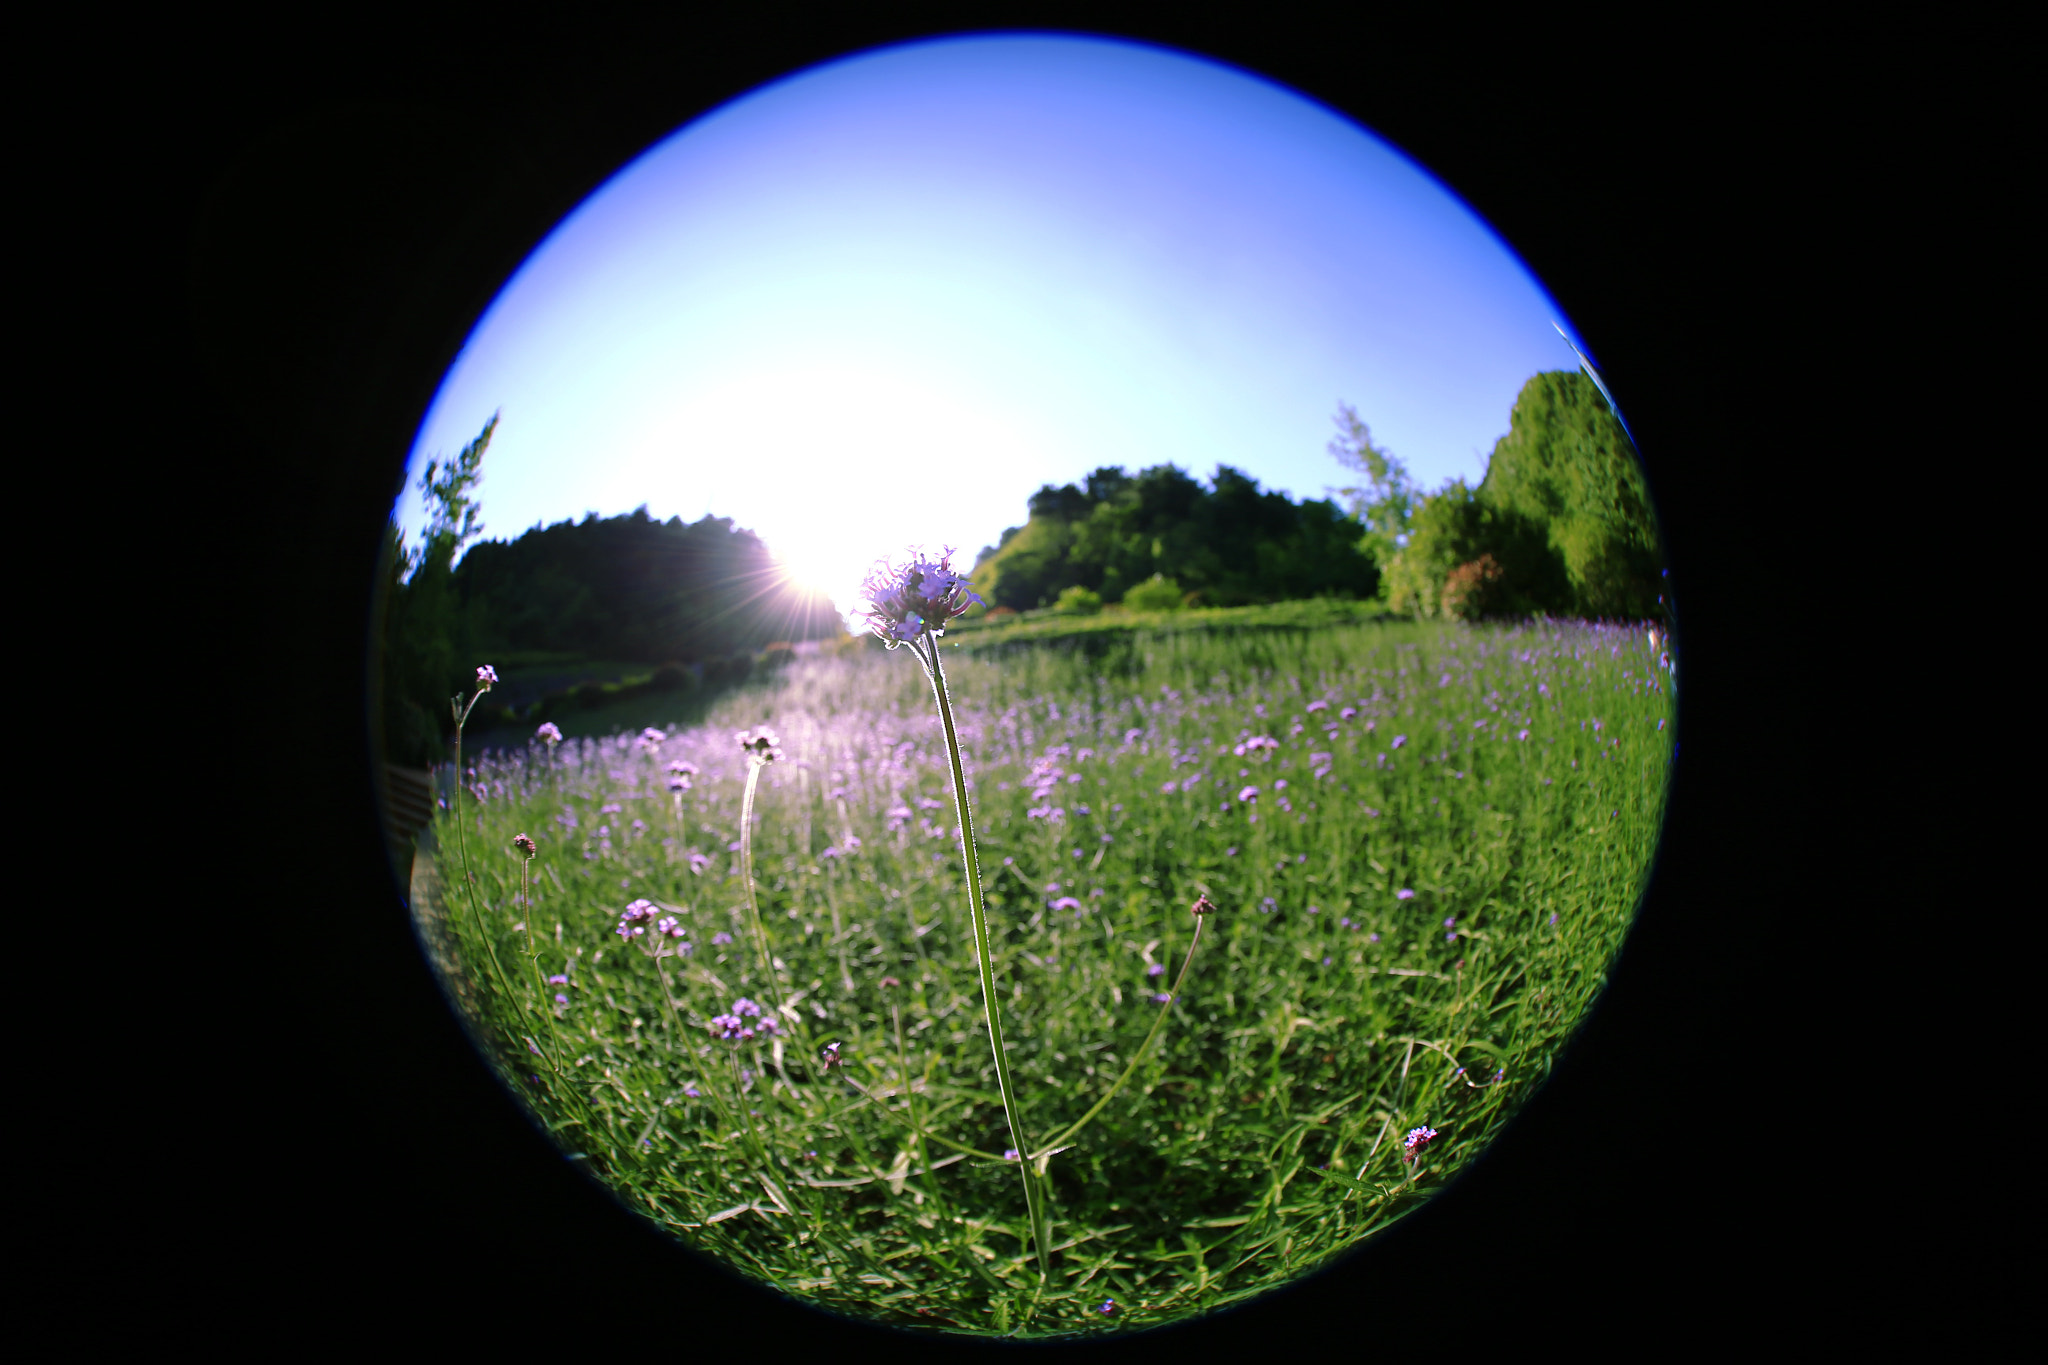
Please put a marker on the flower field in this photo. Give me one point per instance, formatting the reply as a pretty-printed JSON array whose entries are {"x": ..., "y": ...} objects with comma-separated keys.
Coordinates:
[{"x": 1423, "y": 844}]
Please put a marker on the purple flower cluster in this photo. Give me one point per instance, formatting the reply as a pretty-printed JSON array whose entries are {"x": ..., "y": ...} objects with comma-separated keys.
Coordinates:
[
  {"x": 1417, "y": 1139},
  {"x": 906, "y": 600},
  {"x": 549, "y": 733},
  {"x": 734, "y": 1026}
]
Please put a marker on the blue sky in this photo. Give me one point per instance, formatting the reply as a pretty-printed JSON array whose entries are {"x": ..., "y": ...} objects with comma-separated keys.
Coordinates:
[{"x": 881, "y": 301}]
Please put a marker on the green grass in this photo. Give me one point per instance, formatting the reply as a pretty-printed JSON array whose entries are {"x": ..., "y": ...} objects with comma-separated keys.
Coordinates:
[{"x": 1263, "y": 1132}]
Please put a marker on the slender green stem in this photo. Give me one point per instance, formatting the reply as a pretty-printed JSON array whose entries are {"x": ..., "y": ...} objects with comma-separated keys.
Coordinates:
[
  {"x": 747, "y": 880},
  {"x": 468, "y": 876},
  {"x": 1165, "y": 1009},
  {"x": 927, "y": 649}
]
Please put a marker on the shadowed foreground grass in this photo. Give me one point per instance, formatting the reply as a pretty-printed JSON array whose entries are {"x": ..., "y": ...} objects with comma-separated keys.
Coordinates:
[{"x": 1450, "y": 832}]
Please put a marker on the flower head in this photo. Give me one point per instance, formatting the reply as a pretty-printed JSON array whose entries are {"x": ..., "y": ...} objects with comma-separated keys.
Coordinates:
[
  {"x": 922, "y": 594},
  {"x": 1065, "y": 903},
  {"x": 830, "y": 1057},
  {"x": 761, "y": 744},
  {"x": 1202, "y": 906},
  {"x": 1406, "y": 893},
  {"x": 652, "y": 739},
  {"x": 1399, "y": 740},
  {"x": 720, "y": 937},
  {"x": 679, "y": 783},
  {"x": 1248, "y": 794},
  {"x": 549, "y": 733},
  {"x": 486, "y": 677},
  {"x": 524, "y": 844},
  {"x": 682, "y": 767},
  {"x": 698, "y": 862},
  {"x": 1417, "y": 1139}
]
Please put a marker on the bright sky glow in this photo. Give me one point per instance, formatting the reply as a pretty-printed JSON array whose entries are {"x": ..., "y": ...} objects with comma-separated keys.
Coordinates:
[{"x": 880, "y": 302}]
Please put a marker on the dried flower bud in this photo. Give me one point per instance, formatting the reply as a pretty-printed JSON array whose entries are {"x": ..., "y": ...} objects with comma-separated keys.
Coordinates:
[{"x": 1202, "y": 906}]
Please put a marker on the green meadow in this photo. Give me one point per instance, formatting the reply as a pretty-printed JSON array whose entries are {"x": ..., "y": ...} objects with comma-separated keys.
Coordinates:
[{"x": 1422, "y": 870}]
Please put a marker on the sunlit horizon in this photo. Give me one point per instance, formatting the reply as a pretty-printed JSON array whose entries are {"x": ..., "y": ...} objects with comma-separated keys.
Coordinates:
[{"x": 878, "y": 303}]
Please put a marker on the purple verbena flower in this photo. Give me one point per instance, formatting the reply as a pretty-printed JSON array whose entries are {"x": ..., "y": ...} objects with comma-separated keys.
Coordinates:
[
  {"x": 1405, "y": 894},
  {"x": 486, "y": 678},
  {"x": 1417, "y": 1139},
  {"x": 720, "y": 937},
  {"x": 558, "y": 980},
  {"x": 1248, "y": 794},
  {"x": 1065, "y": 903},
  {"x": 904, "y": 601},
  {"x": 1156, "y": 969},
  {"x": 549, "y": 733}
]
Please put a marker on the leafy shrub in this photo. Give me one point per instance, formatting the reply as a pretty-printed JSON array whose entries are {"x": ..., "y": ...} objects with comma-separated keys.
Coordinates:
[
  {"x": 1157, "y": 593},
  {"x": 1472, "y": 590},
  {"x": 1078, "y": 601}
]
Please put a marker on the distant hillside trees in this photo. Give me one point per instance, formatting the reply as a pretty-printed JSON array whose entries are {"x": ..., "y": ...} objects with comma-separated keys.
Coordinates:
[
  {"x": 1561, "y": 523},
  {"x": 621, "y": 589},
  {"x": 1225, "y": 544}
]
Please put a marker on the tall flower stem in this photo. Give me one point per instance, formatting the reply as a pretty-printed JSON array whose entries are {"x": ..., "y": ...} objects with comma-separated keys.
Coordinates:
[
  {"x": 927, "y": 649},
  {"x": 462, "y": 848},
  {"x": 747, "y": 880}
]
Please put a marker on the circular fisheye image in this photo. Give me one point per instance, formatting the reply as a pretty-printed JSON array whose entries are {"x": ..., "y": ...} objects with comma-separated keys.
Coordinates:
[{"x": 1025, "y": 686}]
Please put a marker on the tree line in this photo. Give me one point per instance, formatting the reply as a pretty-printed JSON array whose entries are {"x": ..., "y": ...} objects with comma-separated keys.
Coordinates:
[
  {"x": 1561, "y": 524},
  {"x": 700, "y": 598}
]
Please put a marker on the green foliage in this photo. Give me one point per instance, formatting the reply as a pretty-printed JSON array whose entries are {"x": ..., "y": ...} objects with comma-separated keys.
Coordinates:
[
  {"x": 1560, "y": 525},
  {"x": 1385, "y": 503},
  {"x": 1261, "y": 1135},
  {"x": 1078, "y": 601},
  {"x": 1228, "y": 543},
  {"x": 1566, "y": 463},
  {"x": 1157, "y": 593},
  {"x": 623, "y": 588}
]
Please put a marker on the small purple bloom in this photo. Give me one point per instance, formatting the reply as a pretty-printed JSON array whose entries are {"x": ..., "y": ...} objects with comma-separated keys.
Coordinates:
[
  {"x": 1417, "y": 1139},
  {"x": 561, "y": 999},
  {"x": 1405, "y": 894},
  {"x": 549, "y": 733},
  {"x": 486, "y": 677},
  {"x": 698, "y": 862},
  {"x": 1065, "y": 903},
  {"x": 720, "y": 937},
  {"x": 1156, "y": 969},
  {"x": 1248, "y": 794},
  {"x": 1107, "y": 1306},
  {"x": 1399, "y": 740}
]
